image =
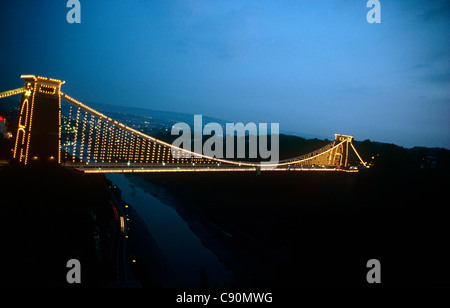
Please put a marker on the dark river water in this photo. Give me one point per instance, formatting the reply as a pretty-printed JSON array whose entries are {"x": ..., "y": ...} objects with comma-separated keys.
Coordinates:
[{"x": 183, "y": 250}]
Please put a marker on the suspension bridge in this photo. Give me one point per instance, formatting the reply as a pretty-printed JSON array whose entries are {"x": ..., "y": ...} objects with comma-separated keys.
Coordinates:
[{"x": 79, "y": 137}]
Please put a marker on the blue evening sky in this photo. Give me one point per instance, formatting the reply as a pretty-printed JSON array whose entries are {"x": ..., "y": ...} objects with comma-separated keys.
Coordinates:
[{"x": 316, "y": 67}]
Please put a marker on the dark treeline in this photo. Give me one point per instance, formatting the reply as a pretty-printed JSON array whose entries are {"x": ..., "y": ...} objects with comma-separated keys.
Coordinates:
[{"x": 52, "y": 215}]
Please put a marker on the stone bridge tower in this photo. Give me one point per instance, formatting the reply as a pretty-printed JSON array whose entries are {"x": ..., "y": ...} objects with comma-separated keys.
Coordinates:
[{"x": 38, "y": 137}]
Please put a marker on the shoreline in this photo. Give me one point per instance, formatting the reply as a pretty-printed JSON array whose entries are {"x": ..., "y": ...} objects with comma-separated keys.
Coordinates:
[
  {"x": 150, "y": 267},
  {"x": 145, "y": 259},
  {"x": 185, "y": 269},
  {"x": 248, "y": 269}
]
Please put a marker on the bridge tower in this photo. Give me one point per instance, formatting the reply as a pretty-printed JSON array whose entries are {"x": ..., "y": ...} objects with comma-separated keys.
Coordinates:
[
  {"x": 38, "y": 137},
  {"x": 340, "y": 157}
]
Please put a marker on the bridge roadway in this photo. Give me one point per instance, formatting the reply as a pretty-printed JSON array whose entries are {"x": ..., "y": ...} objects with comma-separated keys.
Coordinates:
[{"x": 146, "y": 167}]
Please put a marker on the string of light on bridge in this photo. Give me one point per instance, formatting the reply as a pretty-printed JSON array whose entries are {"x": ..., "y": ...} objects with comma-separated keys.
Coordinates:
[
  {"x": 89, "y": 139},
  {"x": 104, "y": 140},
  {"x": 94, "y": 142}
]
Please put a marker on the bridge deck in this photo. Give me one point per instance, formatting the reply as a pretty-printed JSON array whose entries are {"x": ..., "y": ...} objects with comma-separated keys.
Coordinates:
[{"x": 135, "y": 168}]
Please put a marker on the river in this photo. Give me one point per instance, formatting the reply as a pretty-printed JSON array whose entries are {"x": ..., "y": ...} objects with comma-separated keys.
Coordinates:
[{"x": 192, "y": 262}]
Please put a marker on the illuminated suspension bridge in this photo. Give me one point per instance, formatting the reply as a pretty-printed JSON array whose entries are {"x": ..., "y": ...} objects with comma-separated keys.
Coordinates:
[{"x": 77, "y": 136}]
